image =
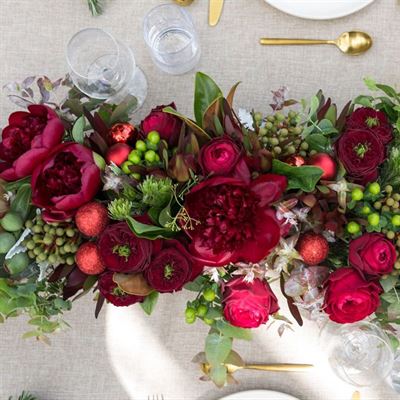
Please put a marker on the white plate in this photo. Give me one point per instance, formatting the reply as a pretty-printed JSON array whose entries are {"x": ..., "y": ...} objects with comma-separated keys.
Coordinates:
[
  {"x": 259, "y": 395},
  {"x": 319, "y": 9}
]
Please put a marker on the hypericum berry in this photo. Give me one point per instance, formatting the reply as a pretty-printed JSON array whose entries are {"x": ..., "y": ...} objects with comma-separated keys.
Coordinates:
[
  {"x": 374, "y": 219},
  {"x": 202, "y": 310},
  {"x": 136, "y": 176},
  {"x": 357, "y": 194},
  {"x": 390, "y": 235},
  {"x": 125, "y": 167},
  {"x": 208, "y": 321},
  {"x": 353, "y": 227},
  {"x": 374, "y": 188},
  {"x": 366, "y": 210},
  {"x": 388, "y": 189},
  {"x": 209, "y": 295},
  {"x": 150, "y": 156},
  {"x": 134, "y": 157},
  {"x": 141, "y": 146},
  {"x": 396, "y": 220},
  {"x": 153, "y": 137},
  {"x": 190, "y": 315}
]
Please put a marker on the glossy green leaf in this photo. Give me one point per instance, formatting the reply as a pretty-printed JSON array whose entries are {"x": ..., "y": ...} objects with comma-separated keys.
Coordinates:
[
  {"x": 13, "y": 186},
  {"x": 78, "y": 130},
  {"x": 150, "y": 302},
  {"x": 146, "y": 231},
  {"x": 318, "y": 142}
]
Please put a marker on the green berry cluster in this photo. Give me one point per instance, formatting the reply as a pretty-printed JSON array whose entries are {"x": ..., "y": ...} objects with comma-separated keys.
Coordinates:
[
  {"x": 144, "y": 154},
  {"x": 202, "y": 307},
  {"x": 53, "y": 242},
  {"x": 281, "y": 134}
]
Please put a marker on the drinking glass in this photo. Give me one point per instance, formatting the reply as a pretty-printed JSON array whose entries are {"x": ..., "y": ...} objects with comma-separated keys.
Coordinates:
[
  {"x": 359, "y": 353},
  {"x": 104, "y": 68},
  {"x": 172, "y": 39}
]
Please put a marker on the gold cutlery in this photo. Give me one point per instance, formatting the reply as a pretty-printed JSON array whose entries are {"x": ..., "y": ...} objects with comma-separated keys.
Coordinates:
[
  {"x": 215, "y": 11},
  {"x": 356, "y": 396},
  {"x": 232, "y": 368},
  {"x": 353, "y": 43},
  {"x": 184, "y": 2}
]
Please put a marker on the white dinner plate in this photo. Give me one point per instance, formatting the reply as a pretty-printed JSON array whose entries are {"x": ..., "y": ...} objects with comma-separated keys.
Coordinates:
[
  {"x": 259, "y": 395},
  {"x": 319, "y": 9}
]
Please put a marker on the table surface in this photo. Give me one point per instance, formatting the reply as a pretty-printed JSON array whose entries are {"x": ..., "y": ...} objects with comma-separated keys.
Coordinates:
[{"x": 125, "y": 355}]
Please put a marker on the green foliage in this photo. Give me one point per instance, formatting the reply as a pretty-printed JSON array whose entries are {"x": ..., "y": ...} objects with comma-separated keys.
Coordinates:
[
  {"x": 150, "y": 302},
  {"x": 25, "y": 396},
  {"x": 119, "y": 209},
  {"x": 157, "y": 192},
  {"x": 148, "y": 231},
  {"x": 78, "y": 130},
  {"x": 123, "y": 110},
  {"x": 22, "y": 202},
  {"x": 95, "y": 7}
]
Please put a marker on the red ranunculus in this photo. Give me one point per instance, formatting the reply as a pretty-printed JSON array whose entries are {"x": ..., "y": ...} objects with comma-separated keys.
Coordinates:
[
  {"x": 372, "y": 254},
  {"x": 27, "y": 140},
  {"x": 172, "y": 267},
  {"x": 222, "y": 156},
  {"x": 64, "y": 181},
  {"x": 349, "y": 297},
  {"x": 122, "y": 251},
  {"x": 110, "y": 290},
  {"x": 232, "y": 220},
  {"x": 376, "y": 121},
  {"x": 167, "y": 125},
  {"x": 361, "y": 152},
  {"x": 248, "y": 304}
]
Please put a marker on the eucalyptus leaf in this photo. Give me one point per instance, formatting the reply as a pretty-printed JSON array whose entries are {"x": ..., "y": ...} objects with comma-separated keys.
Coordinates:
[
  {"x": 389, "y": 283},
  {"x": 233, "y": 331},
  {"x": 314, "y": 104},
  {"x": 78, "y": 130},
  {"x": 218, "y": 375},
  {"x": 197, "y": 284},
  {"x": 150, "y": 302},
  {"x": 218, "y": 348},
  {"x": 319, "y": 143}
]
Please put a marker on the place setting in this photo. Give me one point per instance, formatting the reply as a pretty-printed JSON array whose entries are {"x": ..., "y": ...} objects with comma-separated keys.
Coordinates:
[{"x": 280, "y": 219}]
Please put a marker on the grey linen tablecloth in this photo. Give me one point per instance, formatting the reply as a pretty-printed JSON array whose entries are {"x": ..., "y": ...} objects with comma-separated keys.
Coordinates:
[{"x": 125, "y": 355}]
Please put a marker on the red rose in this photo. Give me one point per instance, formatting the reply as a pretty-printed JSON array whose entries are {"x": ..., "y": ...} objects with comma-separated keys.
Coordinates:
[
  {"x": 233, "y": 220},
  {"x": 110, "y": 290},
  {"x": 361, "y": 152},
  {"x": 171, "y": 268},
  {"x": 349, "y": 297},
  {"x": 376, "y": 121},
  {"x": 64, "y": 181},
  {"x": 27, "y": 140},
  {"x": 372, "y": 254},
  {"x": 222, "y": 156},
  {"x": 167, "y": 125},
  {"x": 122, "y": 251},
  {"x": 248, "y": 305}
]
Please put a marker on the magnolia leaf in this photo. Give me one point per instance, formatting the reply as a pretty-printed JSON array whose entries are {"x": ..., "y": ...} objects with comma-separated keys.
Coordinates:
[
  {"x": 134, "y": 284},
  {"x": 217, "y": 348},
  {"x": 231, "y": 94},
  {"x": 233, "y": 331},
  {"x": 78, "y": 130},
  {"x": 150, "y": 232},
  {"x": 150, "y": 302}
]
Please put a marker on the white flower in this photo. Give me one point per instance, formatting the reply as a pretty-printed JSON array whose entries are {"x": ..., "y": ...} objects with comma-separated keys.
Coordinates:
[
  {"x": 245, "y": 118},
  {"x": 213, "y": 272},
  {"x": 329, "y": 236}
]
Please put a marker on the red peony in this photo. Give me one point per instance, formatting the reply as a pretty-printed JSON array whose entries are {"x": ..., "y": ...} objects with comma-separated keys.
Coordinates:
[
  {"x": 27, "y": 140},
  {"x": 372, "y": 254},
  {"x": 361, "y": 153},
  {"x": 172, "y": 267},
  {"x": 248, "y": 304},
  {"x": 64, "y": 181},
  {"x": 376, "y": 121},
  {"x": 349, "y": 297},
  {"x": 122, "y": 251},
  {"x": 222, "y": 156},
  {"x": 110, "y": 290},
  {"x": 232, "y": 220},
  {"x": 167, "y": 125}
]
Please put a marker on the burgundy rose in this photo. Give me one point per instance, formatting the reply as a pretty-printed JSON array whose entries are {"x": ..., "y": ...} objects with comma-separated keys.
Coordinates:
[
  {"x": 248, "y": 304},
  {"x": 167, "y": 125},
  {"x": 27, "y": 140},
  {"x": 376, "y": 121},
  {"x": 122, "y": 251},
  {"x": 232, "y": 220},
  {"x": 361, "y": 152},
  {"x": 222, "y": 156},
  {"x": 349, "y": 297},
  {"x": 110, "y": 290},
  {"x": 64, "y": 181},
  {"x": 172, "y": 267},
  {"x": 372, "y": 254}
]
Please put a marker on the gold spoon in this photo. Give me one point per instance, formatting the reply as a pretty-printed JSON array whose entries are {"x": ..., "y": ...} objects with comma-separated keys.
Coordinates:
[
  {"x": 232, "y": 368},
  {"x": 353, "y": 43}
]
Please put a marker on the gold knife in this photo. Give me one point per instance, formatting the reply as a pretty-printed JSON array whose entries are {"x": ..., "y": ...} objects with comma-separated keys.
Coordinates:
[{"x": 215, "y": 11}]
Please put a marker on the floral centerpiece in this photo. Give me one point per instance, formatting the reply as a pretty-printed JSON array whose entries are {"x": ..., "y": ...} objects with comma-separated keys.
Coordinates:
[{"x": 221, "y": 205}]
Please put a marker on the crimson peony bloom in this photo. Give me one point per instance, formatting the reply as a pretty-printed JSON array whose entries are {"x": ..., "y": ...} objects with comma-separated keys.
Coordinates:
[
  {"x": 27, "y": 140},
  {"x": 233, "y": 220},
  {"x": 248, "y": 304},
  {"x": 64, "y": 181},
  {"x": 349, "y": 297},
  {"x": 110, "y": 290}
]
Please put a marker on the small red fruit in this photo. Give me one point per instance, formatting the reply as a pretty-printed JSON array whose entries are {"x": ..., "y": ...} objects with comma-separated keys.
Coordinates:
[
  {"x": 88, "y": 259},
  {"x": 121, "y": 132},
  {"x": 118, "y": 153},
  {"x": 314, "y": 248},
  {"x": 91, "y": 219},
  {"x": 326, "y": 163}
]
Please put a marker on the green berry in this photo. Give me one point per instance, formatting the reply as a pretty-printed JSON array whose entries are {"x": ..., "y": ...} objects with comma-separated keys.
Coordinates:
[
  {"x": 52, "y": 259},
  {"x": 366, "y": 210},
  {"x": 263, "y": 131},
  {"x": 67, "y": 248},
  {"x": 29, "y": 224},
  {"x": 17, "y": 263},
  {"x": 48, "y": 240},
  {"x": 258, "y": 116},
  {"x": 277, "y": 150},
  {"x": 374, "y": 188},
  {"x": 374, "y": 219},
  {"x": 377, "y": 205},
  {"x": 12, "y": 222},
  {"x": 125, "y": 167},
  {"x": 141, "y": 146},
  {"x": 136, "y": 176},
  {"x": 60, "y": 241},
  {"x": 304, "y": 146},
  {"x": 396, "y": 220},
  {"x": 30, "y": 245},
  {"x": 37, "y": 251},
  {"x": 209, "y": 295},
  {"x": 390, "y": 235},
  {"x": 150, "y": 156},
  {"x": 153, "y": 137},
  {"x": 190, "y": 315},
  {"x": 134, "y": 157},
  {"x": 388, "y": 189},
  {"x": 37, "y": 229},
  {"x": 7, "y": 240},
  {"x": 353, "y": 227},
  {"x": 385, "y": 209},
  {"x": 274, "y": 141},
  {"x": 70, "y": 260},
  {"x": 390, "y": 202},
  {"x": 41, "y": 257},
  {"x": 208, "y": 321},
  {"x": 357, "y": 194},
  {"x": 60, "y": 232},
  {"x": 70, "y": 232},
  {"x": 201, "y": 310}
]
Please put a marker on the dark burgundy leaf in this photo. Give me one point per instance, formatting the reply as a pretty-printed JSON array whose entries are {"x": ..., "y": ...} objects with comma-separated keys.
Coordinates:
[{"x": 99, "y": 305}]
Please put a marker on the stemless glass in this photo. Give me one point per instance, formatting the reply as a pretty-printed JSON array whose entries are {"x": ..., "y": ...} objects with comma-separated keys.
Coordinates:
[
  {"x": 359, "y": 353},
  {"x": 172, "y": 39},
  {"x": 103, "y": 67}
]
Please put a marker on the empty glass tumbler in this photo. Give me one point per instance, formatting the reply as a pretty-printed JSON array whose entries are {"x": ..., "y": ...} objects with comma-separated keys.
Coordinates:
[
  {"x": 172, "y": 39},
  {"x": 104, "y": 68}
]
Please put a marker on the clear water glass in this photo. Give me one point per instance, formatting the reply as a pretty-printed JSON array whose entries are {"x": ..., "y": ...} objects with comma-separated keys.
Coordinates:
[
  {"x": 359, "y": 353},
  {"x": 103, "y": 67},
  {"x": 172, "y": 39},
  {"x": 395, "y": 373}
]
